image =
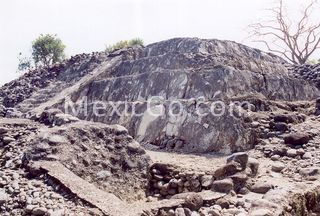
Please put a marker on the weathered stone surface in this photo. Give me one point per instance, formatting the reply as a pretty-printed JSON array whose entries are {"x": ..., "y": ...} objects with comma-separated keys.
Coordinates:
[
  {"x": 227, "y": 170},
  {"x": 311, "y": 171},
  {"x": 253, "y": 164},
  {"x": 261, "y": 187},
  {"x": 296, "y": 138},
  {"x": 224, "y": 186},
  {"x": 39, "y": 211},
  {"x": 261, "y": 212},
  {"x": 292, "y": 153},
  {"x": 278, "y": 167},
  {"x": 180, "y": 70},
  {"x": 3, "y": 197},
  {"x": 3, "y": 130},
  {"x": 240, "y": 157},
  {"x": 206, "y": 181},
  {"x": 193, "y": 201}
]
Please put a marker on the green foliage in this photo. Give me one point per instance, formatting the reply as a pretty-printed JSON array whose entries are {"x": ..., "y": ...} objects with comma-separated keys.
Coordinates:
[
  {"x": 119, "y": 45},
  {"x": 47, "y": 50},
  {"x": 313, "y": 61},
  {"x": 25, "y": 63},
  {"x": 124, "y": 43},
  {"x": 136, "y": 41}
]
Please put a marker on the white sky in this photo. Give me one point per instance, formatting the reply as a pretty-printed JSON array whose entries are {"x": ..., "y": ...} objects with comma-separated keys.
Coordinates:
[{"x": 88, "y": 25}]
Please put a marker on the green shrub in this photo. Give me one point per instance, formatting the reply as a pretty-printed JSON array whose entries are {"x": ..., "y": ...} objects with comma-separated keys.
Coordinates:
[
  {"x": 124, "y": 43},
  {"x": 136, "y": 41},
  {"x": 313, "y": 61}
]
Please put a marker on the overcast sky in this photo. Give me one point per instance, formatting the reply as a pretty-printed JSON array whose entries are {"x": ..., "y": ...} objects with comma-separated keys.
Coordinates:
[{"x": 88, "y": 25}]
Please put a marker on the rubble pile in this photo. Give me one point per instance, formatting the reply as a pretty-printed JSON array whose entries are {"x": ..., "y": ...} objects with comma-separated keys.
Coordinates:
[
  {"x": 68, "y": 71},
  {"x": 307, "y": 72}
]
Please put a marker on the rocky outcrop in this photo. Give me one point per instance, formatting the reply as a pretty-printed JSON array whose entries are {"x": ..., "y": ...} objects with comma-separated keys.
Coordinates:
[
  {"x": 203, "y": 90},
  {"x": 196, "y": 75}
]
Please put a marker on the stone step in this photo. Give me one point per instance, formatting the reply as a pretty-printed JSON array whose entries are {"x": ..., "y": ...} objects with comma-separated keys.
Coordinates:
[{"x": 106, "y": 202}]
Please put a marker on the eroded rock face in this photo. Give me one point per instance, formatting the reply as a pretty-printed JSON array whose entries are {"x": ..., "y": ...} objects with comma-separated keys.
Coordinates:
[
  {"x": 192, "y": 73},
  {"x": 193, "y": 84}
]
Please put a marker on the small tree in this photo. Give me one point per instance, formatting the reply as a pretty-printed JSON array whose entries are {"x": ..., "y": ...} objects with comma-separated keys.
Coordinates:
[
  {"x": 124, "y": 43},
  {"x": 295, "y": 40},
  {"x": 47, "y": 50},
  {"x": 25, "y": 63}
]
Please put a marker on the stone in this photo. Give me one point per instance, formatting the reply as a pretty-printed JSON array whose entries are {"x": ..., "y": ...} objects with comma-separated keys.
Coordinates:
[
  {"x": 284, "y": 118},
  {"x": 253, "y": 164},
  {"x": 307, "y": 155},
  {"x": 227, "y": 170},
  {"x": 57, "y": 139},
  {"x": 39, "y": 211},
  {"x": 173, "y": 183},
  {"x": 206, "y": 181},
  {"x": 3, "y": 130},
  {"x": 239, "y": 157},
  {"x": 243, "y": 191},
  {"x": 179, "y": 212},
  {"x": 103, "y": 174},
  {"x": 3, "y": 197},
  {"x": 261, "y": 212},
  {"x": 261, "y": 187},
  {"x": 193, "y": 201},
  {"x": 301, "y": 151},
  {"x": 224, "y": 203},
  {"x": 255, "y": 124},
  {"x": 209, "y": 211},
  {"x": 296, "y": 139},
  {"x": 217, "y": 207},
  {"x": 188, "y": 212},
  {"x": 310, "y": 171},
  {"x": 292, "y": 153},
  {"x": 280, "y": 126},
  {"x": 7, "y": 140},
  {"x": 275, "y": 157},
  {"x": 134, "y": 147},
  {"x": 223, "y": 186},
  {"x": 59, "y": 212},
  {"x": 278, "y": 167}
]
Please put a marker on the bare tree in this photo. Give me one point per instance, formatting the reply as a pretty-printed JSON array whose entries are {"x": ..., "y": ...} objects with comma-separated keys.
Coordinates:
[{"x": 296, "y": 40}]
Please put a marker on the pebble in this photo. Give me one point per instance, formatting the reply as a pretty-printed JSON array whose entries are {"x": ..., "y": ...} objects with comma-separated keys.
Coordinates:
[
  {"x": 307, "y": 155},
  {"x": 291, "y": 153},
  {"x": 278, "y": 167},
  {"x": 261, "y": 187},
  {"x": 103, "y": 174}
]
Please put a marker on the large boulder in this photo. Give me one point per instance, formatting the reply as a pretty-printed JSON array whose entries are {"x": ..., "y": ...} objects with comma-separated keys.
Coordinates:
[{"x": 297, "y": 138}]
